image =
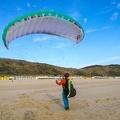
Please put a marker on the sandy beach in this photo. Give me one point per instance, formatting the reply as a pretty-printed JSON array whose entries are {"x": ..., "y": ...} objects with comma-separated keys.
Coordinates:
[{"x": 96, "y": 99}]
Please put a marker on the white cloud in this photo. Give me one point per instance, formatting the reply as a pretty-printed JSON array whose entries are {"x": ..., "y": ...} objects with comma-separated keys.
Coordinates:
[
  {"x": 101, "y": 62},
  {"x": 114, "y": 7},
  {"x": 113, "y": 2},
  {"x": 115, "y": 16},
  {"x": 92, "y": 30},
  {"x": 95, "y": 30},
  {"x": 19, "y": 8},
  {"x": 61, "y": 45},
  {"x": 85, "y": 20},
  {"x": 42, "y": 38},
  {"x": 28, "y": 4},
  {"x": 106, "y": 11},
  {"x": 111, "y": 59},
  {"x": 106, "y": 27},
  {"x": 118, "y": 6},
  {"x": 75, "y": 15}
]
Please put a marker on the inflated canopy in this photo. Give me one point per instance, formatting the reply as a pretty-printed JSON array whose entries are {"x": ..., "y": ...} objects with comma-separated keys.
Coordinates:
[{"x": 46, "y": 22}]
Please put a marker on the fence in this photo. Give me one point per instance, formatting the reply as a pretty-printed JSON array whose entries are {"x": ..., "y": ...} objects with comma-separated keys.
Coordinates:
[{"x": 4, "y": 78}]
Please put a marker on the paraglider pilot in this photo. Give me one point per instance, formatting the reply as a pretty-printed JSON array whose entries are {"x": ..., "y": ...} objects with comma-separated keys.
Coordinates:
[{"x": 65, "y": 82}]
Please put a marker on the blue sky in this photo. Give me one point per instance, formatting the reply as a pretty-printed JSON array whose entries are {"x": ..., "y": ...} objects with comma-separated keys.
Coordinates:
[{"x": 99, "y": 19}]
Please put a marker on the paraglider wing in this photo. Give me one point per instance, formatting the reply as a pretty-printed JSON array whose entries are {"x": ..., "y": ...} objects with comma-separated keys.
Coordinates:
[{"x": 46, "y": 22}]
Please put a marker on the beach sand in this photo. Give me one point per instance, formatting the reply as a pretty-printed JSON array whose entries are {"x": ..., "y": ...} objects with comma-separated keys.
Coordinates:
[{"x": 96, "y": 99}]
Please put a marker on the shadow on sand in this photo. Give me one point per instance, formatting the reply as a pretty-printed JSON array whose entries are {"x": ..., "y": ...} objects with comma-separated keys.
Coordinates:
[{"x": 55, "y": 100}]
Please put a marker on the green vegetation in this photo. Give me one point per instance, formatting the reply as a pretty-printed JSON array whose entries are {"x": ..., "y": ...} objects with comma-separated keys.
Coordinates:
[{"x": 20, "y": 67}]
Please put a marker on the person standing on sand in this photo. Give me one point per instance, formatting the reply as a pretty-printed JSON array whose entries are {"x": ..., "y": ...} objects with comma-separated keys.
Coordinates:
[{"x": 65, "y": 82}]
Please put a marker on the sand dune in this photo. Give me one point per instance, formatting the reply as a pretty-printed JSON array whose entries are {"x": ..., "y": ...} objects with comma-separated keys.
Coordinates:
[{"x": 96, "y": 99}]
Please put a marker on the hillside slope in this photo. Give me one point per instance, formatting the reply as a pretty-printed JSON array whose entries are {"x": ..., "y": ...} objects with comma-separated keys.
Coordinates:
[{"x": 21, "y": 67}]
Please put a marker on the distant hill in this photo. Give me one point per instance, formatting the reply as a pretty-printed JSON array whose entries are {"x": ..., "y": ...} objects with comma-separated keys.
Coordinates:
[
  {"x": 21, "y": 67},
  {"x": 99, "y": 70}
]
